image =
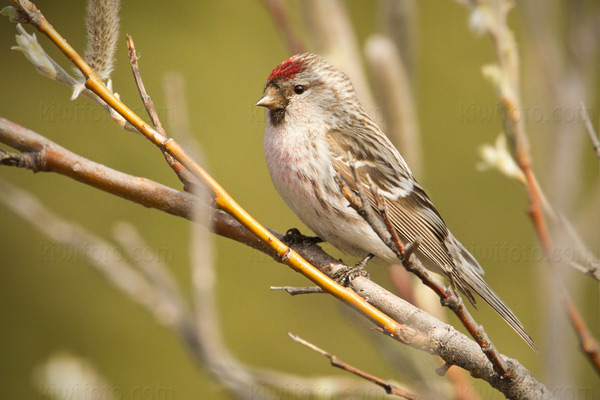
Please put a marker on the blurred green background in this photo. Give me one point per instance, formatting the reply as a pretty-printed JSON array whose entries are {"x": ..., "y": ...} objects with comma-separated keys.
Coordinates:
[{"x": 225, "y": 49}]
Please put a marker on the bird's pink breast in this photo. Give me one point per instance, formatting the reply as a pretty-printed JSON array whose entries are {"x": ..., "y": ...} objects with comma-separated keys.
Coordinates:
[{"x": 288, "y": 163}]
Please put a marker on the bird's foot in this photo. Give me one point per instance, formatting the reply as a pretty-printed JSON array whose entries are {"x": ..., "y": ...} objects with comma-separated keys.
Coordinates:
[
  {"x": 344, "y": 276},
  {"x": 293, "y": 236}
]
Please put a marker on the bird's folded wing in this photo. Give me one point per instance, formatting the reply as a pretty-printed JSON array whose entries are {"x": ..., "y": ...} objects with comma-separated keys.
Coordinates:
[{"x": 409, "y": 209}]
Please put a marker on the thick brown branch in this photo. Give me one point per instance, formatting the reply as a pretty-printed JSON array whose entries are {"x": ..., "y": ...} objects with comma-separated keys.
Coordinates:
[{"x": 44, "y": 155}]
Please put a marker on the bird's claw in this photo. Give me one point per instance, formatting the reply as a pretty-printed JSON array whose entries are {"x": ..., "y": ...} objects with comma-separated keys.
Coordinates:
[{"x": 344, "y": 276}]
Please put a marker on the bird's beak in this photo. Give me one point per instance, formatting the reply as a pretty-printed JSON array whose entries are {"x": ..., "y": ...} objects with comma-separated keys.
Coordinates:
[
  {"x": 272, "y": 99},
  {"x": 266, "y": 101}
]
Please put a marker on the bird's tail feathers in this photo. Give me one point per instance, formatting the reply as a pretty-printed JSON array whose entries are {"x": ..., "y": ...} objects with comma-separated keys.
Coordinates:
[{"x": 468, "y": 278}]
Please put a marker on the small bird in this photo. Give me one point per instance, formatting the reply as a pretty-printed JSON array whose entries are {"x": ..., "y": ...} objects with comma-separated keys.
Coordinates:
[{"x": 315, "y": 129}]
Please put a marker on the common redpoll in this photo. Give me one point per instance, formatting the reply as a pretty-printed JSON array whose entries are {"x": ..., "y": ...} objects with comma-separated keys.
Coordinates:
[{"x": 315, "y": 127}]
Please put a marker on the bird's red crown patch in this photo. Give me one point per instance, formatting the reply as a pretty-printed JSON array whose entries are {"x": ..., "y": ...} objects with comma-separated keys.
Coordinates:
[{"x": 287, "y": 70}]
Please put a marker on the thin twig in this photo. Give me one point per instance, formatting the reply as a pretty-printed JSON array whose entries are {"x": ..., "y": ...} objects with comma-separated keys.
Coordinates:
[
  {"x": 146, "y": 99},
  {"x": 183, "y": 175},
  {"x": 447, "y": 295},
  {"x": 498, "y": 157},
  {"x": 588, "y": 264},
  {"x": 389, "y": 388}
]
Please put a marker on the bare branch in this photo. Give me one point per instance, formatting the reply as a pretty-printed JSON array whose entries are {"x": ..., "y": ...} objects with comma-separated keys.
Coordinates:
[
  {"x": 183, "y": 175},
  {"x": 336, "y": 362}
]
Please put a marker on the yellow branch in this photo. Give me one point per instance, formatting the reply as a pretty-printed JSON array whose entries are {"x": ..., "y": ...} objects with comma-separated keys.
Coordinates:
[{"x": 222, "y": 198}]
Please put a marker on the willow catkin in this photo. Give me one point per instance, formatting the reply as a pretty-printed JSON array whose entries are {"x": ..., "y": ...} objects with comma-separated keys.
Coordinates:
[{"x": 102, "y": 30}]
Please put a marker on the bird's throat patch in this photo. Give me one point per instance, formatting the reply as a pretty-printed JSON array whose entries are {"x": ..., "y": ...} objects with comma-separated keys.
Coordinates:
[{"x": 277, "y": 116}]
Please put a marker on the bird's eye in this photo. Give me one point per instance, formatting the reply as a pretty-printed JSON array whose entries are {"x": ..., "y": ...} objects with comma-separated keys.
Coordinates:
[{"x": 299, "y": 89}]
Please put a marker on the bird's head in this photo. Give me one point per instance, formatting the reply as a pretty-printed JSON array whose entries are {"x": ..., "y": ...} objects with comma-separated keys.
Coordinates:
[{"x": 305, "y": 88}]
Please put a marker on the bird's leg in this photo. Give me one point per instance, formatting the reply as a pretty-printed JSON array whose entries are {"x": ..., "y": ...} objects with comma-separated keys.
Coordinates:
[
  {"x": 344, "y": 276},
  {"x": 293, "y": 236}
]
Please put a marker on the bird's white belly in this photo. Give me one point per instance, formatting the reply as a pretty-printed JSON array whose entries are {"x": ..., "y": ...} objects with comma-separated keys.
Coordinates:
[{"x": 302, "y": 173}]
